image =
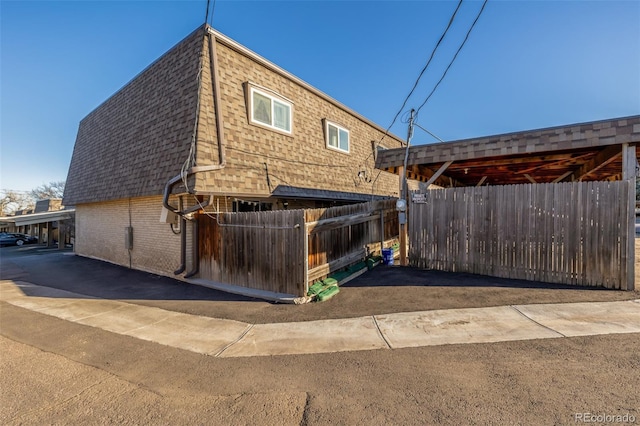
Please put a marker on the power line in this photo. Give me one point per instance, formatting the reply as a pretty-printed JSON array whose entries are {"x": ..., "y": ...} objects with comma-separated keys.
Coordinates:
[
  {"x": 454, "y": 56},
  {"x": 404, "y": 103},
  {"x": 422, "y": 128},
  {"x": 206, "y": 16},
  {"x": 406, "y": 99}
]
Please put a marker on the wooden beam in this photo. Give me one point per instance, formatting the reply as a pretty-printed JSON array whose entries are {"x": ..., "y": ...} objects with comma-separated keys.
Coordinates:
[
  {"x": 629, "y": 162},
  {"x": 424, "y": 173},
  {"x": 532, "y": 180},
  {"x": 558, "y": 163},
  {"x": 521, "y": 159},
  {"x": 327, "y": 268},
  {"x": 443, "y": 180},
  {"x": 481, "y": 181},
  {"x": 340, "y": 222},
  {"x": 601, "y": 159},
  {"x": 564, "y": 175},
  {"x": 437, "y": 174}
]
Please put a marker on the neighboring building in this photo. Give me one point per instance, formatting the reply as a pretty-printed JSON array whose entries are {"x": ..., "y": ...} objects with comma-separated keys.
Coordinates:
[
  {"x": 49, "y": 221},
  {"x": 264, "y": 140},
  {"x": 48, "y": 205}
]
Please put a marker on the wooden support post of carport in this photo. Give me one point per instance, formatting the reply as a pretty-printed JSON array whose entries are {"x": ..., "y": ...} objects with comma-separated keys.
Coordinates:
[
  {"x": 50, "y": 234},
  {"x": 629, "y": 163}
]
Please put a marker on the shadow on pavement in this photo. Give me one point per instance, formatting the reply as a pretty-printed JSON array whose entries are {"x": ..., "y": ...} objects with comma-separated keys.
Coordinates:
[
  {"x": 397, "y": 276},
  {"x": 62, "y": 270}
]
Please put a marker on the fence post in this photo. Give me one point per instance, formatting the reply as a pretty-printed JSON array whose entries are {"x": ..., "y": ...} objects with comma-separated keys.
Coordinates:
[
  {"x": 381, "y": 230},
  {"x": 305, "y": 240},
  {"x": 629, "y": 174}
]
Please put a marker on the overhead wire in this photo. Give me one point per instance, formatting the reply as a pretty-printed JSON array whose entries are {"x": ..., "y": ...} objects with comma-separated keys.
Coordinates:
[
  {"x": 433, "y": 52},
  {"x": 422, "y": 128},
  {"x": 454, "y": 56},
  {"x": 190, "y": 161},
  {"x": 206, "y": 16},
  {"x": 441, "y": 78},
  {"x": 415, "y": 85},
  {"x": 363, "y": 165}
]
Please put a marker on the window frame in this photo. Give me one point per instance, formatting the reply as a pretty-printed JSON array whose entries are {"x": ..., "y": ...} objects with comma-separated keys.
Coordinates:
[
  {"x": 339, "y": 128},
  {"x": 274, "y": 99}
]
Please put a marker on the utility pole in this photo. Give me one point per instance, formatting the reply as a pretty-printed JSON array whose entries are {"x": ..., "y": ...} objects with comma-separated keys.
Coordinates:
[{"x": 402, "y": 203}]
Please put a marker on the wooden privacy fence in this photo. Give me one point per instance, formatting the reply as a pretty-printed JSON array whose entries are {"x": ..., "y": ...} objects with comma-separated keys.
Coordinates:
[
  {"x": 259, "y": 250},
  {"x": 571, "y": 233},
  {"x": 283, "y": 251},
  {"x": 340, "y": 236}
]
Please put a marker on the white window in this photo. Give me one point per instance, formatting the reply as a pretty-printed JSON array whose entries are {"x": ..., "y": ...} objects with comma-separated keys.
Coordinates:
[
  {"x": 268, "y": 110},
  {"x": 337, "y": 137}
]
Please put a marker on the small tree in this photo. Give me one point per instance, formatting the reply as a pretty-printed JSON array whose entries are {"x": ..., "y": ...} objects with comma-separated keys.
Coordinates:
[
  {"x": 13, "y": 201},
  {"x": 48, "y": 190}
]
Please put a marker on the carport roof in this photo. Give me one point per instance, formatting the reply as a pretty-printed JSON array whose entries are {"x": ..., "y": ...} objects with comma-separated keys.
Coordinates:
[
  {"x": 35, "y": 218},
  {"x": 584, "y": 151}
]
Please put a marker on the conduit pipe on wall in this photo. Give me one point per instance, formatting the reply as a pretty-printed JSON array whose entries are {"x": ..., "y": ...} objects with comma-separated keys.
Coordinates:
[
  {"x": 213, "y": 61},
  {"x": 183, "y": 242}
]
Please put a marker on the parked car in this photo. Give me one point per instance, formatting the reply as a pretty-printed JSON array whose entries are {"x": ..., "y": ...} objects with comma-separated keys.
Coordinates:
[{"x": 11, "y": 239}]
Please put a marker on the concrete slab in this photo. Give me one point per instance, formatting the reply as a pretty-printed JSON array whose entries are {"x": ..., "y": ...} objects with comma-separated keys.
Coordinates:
[
  {"x": 190, "y": 332},
  {"x": 68, "y": 309},
  {"x": 9, "y": 290},
  {"x": 50, "y": 301},
  {"x": 127, "y": 318},
  {"x": 585, "y": 319},
  {"x": 13, "y": 289},
  {"x": 323, "y": 336},
  {"x": 453, "y": 326},
  {"x": 197, "y": 334},
  {"x": 227, "y": 338}
]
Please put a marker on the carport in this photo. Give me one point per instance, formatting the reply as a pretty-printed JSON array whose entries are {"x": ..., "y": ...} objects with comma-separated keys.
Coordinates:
[
  {"x": 554, "y": 204},
  {"x": 47, "y": 226}
]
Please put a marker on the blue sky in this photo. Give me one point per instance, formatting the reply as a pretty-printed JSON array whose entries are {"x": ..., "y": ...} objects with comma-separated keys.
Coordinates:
[{"x": 527, "y": 64}]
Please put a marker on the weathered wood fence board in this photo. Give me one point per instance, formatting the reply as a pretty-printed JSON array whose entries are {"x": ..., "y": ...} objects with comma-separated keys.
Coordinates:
[
  {"x": 340, "y": 236},
  {"x": 266, "y": 250},
  {"x": 260, "y": 250},
  {"x": 338, "y": 232},
  {"x": 571, "y": 233}
]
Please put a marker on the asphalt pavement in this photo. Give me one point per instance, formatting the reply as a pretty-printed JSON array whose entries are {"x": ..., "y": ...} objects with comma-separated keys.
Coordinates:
[{"x": 110, "y": 300}]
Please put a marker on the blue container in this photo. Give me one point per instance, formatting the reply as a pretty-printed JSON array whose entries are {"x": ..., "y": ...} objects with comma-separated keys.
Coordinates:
[{"x": 387, "y": 256}]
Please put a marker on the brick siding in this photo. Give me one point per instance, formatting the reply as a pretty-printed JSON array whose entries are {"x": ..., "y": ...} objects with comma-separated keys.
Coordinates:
[{"x": 100, "y": 234}]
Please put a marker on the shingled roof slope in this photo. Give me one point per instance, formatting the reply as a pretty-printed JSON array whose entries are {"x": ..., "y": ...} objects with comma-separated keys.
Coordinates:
[{"x": 138, "y": 139}]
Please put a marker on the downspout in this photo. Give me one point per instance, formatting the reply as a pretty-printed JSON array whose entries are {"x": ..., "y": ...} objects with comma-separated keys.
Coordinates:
[
  {"x": 183, "y": 242},
  {"x": 213, "y": 61},
  {"x": 196, "y": 252}
]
